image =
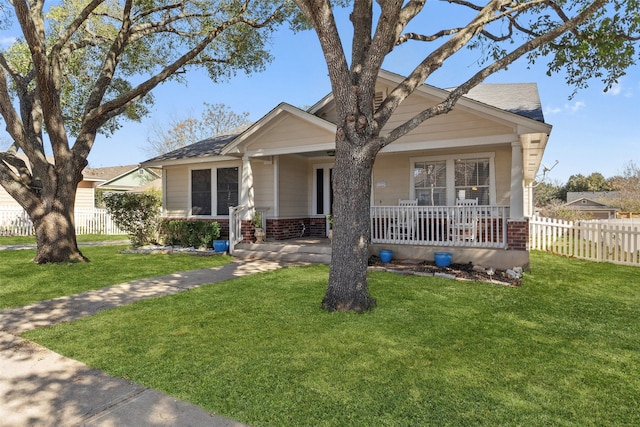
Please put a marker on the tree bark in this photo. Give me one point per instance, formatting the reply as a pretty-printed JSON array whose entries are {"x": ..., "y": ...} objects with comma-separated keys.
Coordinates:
[
  {"x": 347, "y": 288},
  {"x": 55, "y": 237}
]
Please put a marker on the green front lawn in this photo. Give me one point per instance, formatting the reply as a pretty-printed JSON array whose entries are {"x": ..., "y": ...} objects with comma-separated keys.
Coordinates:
[
  {"x": 23, "y": 240},
  {"x": 22, "y": 282},
  {"x": 562, "y": 349}
]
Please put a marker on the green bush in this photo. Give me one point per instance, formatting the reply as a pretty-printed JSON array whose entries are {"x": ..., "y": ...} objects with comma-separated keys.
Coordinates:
[
  {"x": 190, "y": 233},
  {"x": 137, "y": 214}
]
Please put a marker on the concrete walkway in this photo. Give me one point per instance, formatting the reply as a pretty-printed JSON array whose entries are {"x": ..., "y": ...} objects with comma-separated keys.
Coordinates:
[{"x": 39, "y": 387}]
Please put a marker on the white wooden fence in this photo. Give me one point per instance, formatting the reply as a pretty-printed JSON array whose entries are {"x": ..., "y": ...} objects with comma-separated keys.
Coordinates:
[
  {"x": 615, "y": 241},
  {"x": 14, "y": 221}
]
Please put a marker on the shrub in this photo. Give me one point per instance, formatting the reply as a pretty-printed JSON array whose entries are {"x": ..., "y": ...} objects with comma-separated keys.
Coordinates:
[
  {"x": 137, "y": 214},
  {"x": 190, "y": 233}
]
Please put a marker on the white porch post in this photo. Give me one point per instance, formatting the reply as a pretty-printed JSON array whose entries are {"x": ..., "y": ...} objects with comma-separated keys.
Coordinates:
[
  {"x": 246, "y": 189},
  {"x": 516, "y": 203}
]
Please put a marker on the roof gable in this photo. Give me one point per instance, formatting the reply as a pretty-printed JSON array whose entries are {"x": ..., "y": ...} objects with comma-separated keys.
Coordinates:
[{"x": 317, "y": 132}]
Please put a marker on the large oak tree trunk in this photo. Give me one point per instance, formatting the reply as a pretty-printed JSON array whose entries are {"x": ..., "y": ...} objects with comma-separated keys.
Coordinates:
[
  {"x": 347, "y": 289},
  {"x": 56, "y": 237},
  {"x": 52, "y": 214}
]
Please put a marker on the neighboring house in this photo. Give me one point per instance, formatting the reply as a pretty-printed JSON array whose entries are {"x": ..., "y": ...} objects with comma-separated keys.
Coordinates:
[
  {"x": 115, "y": 178},
  {"x": 593, "y": 204},
  {"x": 124, "y": 178},
  {"x": 84, "y": 193},
  {"x": 487, "y": 151},
  {"x": 599, "y": 196}
]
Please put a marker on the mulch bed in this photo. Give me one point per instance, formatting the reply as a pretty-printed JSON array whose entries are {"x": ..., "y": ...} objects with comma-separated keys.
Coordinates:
[{"x": 464, "y": 272}]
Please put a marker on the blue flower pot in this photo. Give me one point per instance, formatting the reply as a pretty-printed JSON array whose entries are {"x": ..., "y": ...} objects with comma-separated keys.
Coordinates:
[
  {"x": 385, "y": 255},
  {"x": 221, "y": 245},
  {"x": 442, "y": 259}
]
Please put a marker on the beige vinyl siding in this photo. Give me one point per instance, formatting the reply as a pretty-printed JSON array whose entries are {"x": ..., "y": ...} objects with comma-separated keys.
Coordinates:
[
  {"x": 503, "y": 175},
  {"x": 6, "y": 199},
  {"x": 457, "y": 124},
  {"x": 293, "y": 186},
  {"x": 289, "y": 132},
  {"x": 392, "y": 173},
  {"x": 263, "y": 185},
  {"x": 177, "y": 188},
  {"x": 85, "y": 195},
  {"x": 85, "y": 198}
]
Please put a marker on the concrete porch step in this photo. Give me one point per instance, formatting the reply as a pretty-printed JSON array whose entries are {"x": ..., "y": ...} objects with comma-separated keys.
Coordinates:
[{"x": 315, "y": 252}]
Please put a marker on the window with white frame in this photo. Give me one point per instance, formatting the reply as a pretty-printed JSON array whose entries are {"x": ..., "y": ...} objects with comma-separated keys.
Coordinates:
[
  {"x": 201, "y": 192},
  {"x": 472, "y": 179},
  {"x": 203, "y": 181},
  {"x": 430, "y": 183},
  {"x": 439, "y": 181}
]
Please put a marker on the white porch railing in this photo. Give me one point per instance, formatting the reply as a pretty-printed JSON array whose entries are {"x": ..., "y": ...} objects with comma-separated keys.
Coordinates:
[
  {"x": 615, "y": 241},
  {"x": 236, "y": 213},
  {"x": 14, "y": 221},
  {"x": 470, "y": 226}
]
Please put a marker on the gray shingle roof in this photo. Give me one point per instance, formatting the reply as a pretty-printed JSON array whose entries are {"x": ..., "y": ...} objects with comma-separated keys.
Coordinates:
[
  {"x": 205, "y": 148},
  {"x": 517, "y": 98}
]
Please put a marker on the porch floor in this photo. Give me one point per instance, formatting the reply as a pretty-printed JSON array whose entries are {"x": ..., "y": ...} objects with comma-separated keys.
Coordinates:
[{"x": 305, "y": 250}]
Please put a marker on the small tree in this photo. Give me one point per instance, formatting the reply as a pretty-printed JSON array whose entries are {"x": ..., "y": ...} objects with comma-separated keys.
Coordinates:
[
  {"x": 627, "y": 186},
  {"x": 216, "y": 119},
  {"x": 138, "y": 214}
]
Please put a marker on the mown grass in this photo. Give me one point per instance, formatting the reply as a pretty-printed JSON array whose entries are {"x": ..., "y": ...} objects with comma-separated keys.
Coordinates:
[
  {"x": 562, "y": 349},
  {"x": 82, "y": 238},
  {"x": 23, "y": 282}
]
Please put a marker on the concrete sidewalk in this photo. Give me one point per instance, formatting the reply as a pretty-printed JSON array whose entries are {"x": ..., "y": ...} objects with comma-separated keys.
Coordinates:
[{"x": 39, "y": 387}]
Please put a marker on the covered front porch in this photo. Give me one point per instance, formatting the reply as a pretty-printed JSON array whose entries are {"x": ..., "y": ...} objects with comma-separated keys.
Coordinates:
[{"x": 482, "y": 235}]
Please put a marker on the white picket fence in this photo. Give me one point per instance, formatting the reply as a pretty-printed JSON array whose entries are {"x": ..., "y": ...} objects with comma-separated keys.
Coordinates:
[
  {"x": 616, "y": 241},
  {"x": 14, "y": 221}
]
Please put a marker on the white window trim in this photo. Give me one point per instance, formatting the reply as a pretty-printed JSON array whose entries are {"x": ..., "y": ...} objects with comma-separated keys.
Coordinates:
[
  {"x": 451, "y": 181},
  {"x": 214, "y": 187}
]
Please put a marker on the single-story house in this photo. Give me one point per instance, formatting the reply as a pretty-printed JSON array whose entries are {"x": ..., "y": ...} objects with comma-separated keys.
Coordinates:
[
  {"x": 593, "y": 204},
  {"x": 113, "y": 178},
  {"x": 459, "y": 182},
  {"x": 128, "y": 178}
]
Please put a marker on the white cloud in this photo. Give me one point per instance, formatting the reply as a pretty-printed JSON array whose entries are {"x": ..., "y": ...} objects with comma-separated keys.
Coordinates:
[
  {"x": 616, "y": 89},
  {"x": 7, "y": 41},
  {"x": 578, "y": 105},
  {"x": 566, "y": 108},
  {"x": 552, "y": 110}
]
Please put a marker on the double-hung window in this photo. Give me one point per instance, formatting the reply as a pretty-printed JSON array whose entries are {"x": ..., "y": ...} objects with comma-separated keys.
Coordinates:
[
  {"x": 439, "y": 181},
  {"x": 472, "y": 179},
  {"x": 225, "y": 181},
  {"x": 430, "y": 182}
]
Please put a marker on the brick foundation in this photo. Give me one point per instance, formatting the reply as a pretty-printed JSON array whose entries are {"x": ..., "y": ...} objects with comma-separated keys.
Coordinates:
[
  {"x": 292, "y": 228},
  {"x": 518, "y": 235}
]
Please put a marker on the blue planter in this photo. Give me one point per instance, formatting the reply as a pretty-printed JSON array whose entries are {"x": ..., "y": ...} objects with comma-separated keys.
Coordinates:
[
  {"x": 385, "y": 255},
  {"x": 442, "y": 259},
  {"x": 221, "y": 245}
]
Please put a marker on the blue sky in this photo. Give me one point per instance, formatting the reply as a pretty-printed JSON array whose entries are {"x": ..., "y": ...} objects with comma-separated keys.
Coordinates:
[{"x": 593, "y": 132}]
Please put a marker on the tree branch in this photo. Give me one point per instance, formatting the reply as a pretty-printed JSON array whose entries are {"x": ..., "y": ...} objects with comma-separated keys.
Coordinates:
[{"x": 448, "y": 104}]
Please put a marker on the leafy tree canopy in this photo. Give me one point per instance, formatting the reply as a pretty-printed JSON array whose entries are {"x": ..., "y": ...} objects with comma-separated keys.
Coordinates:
[{"x": 82, "y": 66}]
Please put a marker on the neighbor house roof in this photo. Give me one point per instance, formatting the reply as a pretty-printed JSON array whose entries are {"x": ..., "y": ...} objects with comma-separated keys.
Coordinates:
[
  {"x": 602, "y": 196},
  {"x": 106, "y": 173}
]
